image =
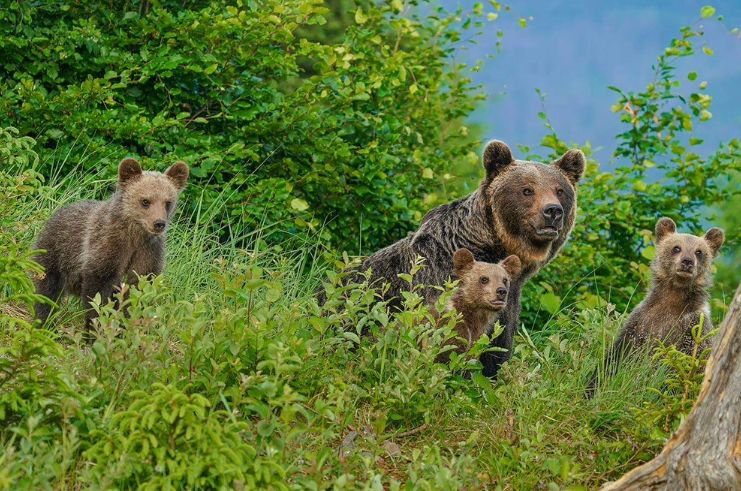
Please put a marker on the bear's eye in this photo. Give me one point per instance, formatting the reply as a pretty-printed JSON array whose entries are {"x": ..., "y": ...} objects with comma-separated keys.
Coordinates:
[
  {"x": 484, "y": 280},
  {"x": 506, "y": 281},
  {"x": 698, "y": 253},
  {"x": 676, "y": 250},
  {"x": 559, "y": 192},
  {"x": 168, "y": 205},
  {"x": 145, "y": 203},
  {"x": 528, "y": 191}
]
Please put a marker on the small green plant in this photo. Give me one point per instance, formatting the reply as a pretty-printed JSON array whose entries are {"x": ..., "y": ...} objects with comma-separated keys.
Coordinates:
[
  {"x": 656, "y": 420},
  {"x": 170, "y": 439}
]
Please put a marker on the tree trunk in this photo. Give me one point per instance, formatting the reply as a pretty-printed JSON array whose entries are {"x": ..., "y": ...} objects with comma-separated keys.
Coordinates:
[{"x": 705, "y": 452}]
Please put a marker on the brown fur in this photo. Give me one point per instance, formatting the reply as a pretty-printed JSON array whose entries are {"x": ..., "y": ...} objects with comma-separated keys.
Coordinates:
[
  {"x": 480, "y": 296},
  {"x": 677, "y": 298},
  {"x": 92, "y": 246}
]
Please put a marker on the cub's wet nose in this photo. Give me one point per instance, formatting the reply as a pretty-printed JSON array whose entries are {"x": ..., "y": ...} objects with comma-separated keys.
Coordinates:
[
  {"x": 501, "y": 293},
  {"x": 159, "y": 225},
  {"x": 553, "y": 212},
  {"x": 687, "y": 263}
]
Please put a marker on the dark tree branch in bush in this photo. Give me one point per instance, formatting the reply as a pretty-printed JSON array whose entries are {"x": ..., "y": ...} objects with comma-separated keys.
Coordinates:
[{"x": 705, "y": 453}]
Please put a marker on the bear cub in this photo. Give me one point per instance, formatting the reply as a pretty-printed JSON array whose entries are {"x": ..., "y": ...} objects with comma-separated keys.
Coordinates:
[
  {"x": 92, "y": 246},
  {"x": 480, "y": 296},
  {"x": 678, "y": 295}
]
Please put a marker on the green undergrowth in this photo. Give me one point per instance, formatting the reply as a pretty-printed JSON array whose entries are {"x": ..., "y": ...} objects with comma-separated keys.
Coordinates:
[{"x": 228, "y": 374}]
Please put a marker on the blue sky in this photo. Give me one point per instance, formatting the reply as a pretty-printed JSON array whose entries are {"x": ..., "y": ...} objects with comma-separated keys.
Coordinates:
[{"x": 572, "y": 50}]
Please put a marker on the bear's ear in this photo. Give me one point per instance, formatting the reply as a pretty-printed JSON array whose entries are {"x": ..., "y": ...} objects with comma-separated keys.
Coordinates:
[
  {"x": 665, "y": 226},
  {"x": 497, "y": 156},
  {"x": 462, "y": 261},
  {"x": 178, "y": 173},
  {"x": 715, "y": 237},
  {"x": 512, "y": 265},
  {"x": 572, "y": 164},
  {"x": 128, "y": 169}
]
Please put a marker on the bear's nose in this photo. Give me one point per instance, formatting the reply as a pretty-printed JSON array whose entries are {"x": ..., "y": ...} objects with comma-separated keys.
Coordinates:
[
  {"x": 501, "y": 293},
  {"x": 159, "y": 225},
  {"x": 688, "y": 262},
  {"x": 553, "y": 212}
]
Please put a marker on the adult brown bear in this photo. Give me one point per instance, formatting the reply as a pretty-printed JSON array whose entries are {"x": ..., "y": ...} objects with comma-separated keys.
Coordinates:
[{"x": 522, "y": 208}]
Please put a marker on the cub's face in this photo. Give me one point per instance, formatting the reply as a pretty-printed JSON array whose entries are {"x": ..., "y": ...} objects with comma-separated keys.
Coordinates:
[
  {"x": 684, "y": 259},
  {"x": 533, "y": 205},
  {"x": 150, "y": 198},
  {"x": 484, "y": 285}
]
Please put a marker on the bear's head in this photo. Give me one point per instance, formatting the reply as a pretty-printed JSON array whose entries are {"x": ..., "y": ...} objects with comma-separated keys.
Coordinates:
[
  {"x": 149, "y": 198},
  {"x": 683, "y": 260},
  {"x": 484, "y": 285},
  {"x": 532, "y": 205}
]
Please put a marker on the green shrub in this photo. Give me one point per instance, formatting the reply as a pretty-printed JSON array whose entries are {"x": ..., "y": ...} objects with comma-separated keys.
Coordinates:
[
  {"x": 289, "y": 131},
  {"x": 168, "y": 439}
]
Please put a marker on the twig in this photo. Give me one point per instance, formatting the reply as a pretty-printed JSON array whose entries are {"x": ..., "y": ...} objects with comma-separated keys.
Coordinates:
[{"x": 418, "y": 429}]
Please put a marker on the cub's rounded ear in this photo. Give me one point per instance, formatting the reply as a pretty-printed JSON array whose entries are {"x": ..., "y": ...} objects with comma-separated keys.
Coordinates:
[
  {"x": 715, "y": 237},
  {"x": 462, "y": 261},
  {"x": 512, "y": 265},
  {"x": 178, "y": 172},
  {"x": 572, "y": 164},
  {"x": 664, "y": 227},
  {"x": 497, "y": 156},
  {"x": 128, "y": 169}
]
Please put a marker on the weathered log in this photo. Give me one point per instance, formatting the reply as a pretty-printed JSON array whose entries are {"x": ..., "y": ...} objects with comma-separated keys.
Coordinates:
[{"x": 705, "y": 452}]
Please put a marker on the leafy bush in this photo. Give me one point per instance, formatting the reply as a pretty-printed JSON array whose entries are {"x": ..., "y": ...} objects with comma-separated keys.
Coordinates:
[
  {"x": 38, "y": 404},
  {"x": 288, "y": 131},
  {"x": 167, "y": 439}
]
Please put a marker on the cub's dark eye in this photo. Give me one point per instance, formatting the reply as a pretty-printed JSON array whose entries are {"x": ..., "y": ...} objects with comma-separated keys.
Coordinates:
[
  {"x": 559, "y": 193},
  {"x": 145, "y": 203},
  {"x": 506, "y": 281},
  {"x": 698, "y": 253},
  {"x": 168, "y": 205},
  {"x": 484, "y": 280},
  {"x": 676, "y": 250},
  {"x": 528, "y": 191}
]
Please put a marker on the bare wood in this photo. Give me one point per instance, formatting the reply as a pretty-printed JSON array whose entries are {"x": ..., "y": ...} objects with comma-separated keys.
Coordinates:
[{"x": 705, "y": 452}]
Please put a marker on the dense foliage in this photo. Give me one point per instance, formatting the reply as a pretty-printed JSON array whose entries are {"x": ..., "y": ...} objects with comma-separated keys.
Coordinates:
[{"x": 297, "y": 133}]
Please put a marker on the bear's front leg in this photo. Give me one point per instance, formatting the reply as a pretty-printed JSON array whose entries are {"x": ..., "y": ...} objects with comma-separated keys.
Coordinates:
[
  {"x": 91, "y": 286},
  {"x": 510, "y": 320}
]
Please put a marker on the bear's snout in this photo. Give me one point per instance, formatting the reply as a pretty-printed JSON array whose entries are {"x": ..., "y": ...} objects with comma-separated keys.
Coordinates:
[{"x": 553, "y": 213}]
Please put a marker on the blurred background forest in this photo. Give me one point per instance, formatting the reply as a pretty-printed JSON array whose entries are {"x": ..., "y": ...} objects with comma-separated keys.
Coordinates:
[{"x": 344, "y": 122}]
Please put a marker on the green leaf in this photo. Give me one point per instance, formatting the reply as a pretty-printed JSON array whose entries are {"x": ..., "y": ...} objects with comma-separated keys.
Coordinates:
[
  {"x": 427, "y": 173},
  {"x": 692, "y": 76},
  {"x": 299, "y": 204},
  {"x": 360, "y": 16},
  {"x": 649, "y": 252},
  {"x": 707, "y": 11},
  {"x": 550, "y": 302},
  {"x": 707, "y": 50}
]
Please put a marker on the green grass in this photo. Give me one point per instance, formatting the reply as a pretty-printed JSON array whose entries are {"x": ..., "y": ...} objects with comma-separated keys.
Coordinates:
[{"x": 228, "y": 374}]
